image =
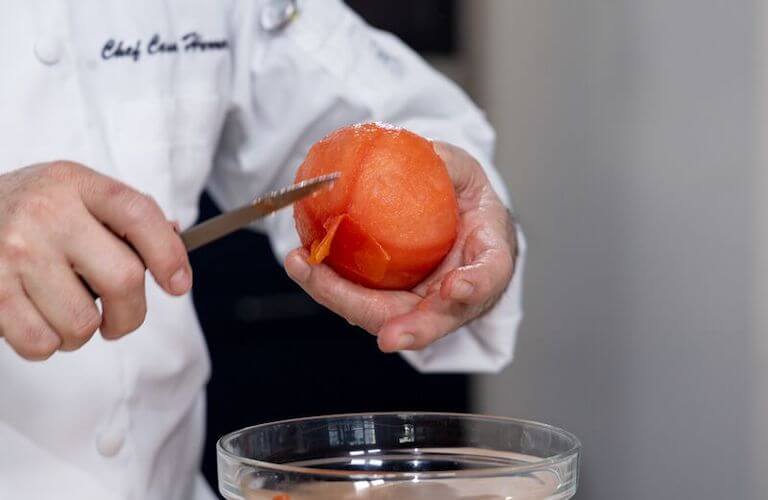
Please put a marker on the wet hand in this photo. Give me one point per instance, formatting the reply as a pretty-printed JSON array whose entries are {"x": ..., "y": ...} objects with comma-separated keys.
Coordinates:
[{"x": 468, "y": 282}]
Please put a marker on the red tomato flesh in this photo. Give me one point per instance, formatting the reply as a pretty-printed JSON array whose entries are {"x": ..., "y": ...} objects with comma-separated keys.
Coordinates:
[{"x": 390, "y": 219}]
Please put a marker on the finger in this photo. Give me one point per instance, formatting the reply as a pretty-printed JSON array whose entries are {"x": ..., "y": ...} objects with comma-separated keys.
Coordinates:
[
  {"x": 24, "y": 328},
  {"x": 431, "y": 320},
  {"x": 359, "y": 305},
  {"x": 114, "y": 271},
  {"x": 63, "y": 302},
  {"x": 490, "y": 264},
  {"x": 465, "y": 172},
  {"x": 481, "y": 282},
  {"x": 138, "y": 219}
]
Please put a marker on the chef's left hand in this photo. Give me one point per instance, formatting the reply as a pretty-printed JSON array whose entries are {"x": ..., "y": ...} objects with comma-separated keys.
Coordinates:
[{"x": 468, "y": 282}]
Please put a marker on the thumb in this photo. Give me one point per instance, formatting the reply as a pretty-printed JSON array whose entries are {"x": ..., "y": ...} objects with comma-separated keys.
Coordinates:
[{"x": 465, "y": 172}]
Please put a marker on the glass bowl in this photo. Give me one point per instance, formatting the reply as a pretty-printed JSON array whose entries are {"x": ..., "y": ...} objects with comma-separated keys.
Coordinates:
[{"x": 404, "y": 456}]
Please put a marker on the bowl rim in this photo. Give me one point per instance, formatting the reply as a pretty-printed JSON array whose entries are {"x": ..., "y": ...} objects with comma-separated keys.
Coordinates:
[{"x": 573, "y": 452}]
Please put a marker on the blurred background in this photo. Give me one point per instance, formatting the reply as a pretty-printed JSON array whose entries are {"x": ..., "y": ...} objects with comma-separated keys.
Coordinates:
[{"x": 632, "y": 136}]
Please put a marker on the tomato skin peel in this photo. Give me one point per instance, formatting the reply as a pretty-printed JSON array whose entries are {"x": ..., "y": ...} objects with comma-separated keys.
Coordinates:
[
  {"x": 322, "y": 247},
  {"x": 351, "y": 250},
  {"x": 390, "y": 219}
]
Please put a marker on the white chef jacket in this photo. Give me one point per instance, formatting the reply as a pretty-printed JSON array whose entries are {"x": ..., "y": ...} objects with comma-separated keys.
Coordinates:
[{"x": 171, "y": 97}]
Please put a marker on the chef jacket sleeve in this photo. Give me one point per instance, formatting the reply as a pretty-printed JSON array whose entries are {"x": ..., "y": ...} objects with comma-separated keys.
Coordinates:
[{"x": 327, "y": 69}]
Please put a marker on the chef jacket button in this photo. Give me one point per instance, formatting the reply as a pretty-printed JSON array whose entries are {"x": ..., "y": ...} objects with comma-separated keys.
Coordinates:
[
  {"x": 48, "y": 50},
  {"x": 110, "y": 442},
  {"x": 277, "y": 14}
]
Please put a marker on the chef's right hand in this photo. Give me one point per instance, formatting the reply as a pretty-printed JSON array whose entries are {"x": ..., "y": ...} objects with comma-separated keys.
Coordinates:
[{"x": 60, "y": 222}]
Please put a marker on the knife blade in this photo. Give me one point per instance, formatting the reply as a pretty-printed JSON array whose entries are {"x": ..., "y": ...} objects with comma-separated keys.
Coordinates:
[{"x": 228, "y": 222}]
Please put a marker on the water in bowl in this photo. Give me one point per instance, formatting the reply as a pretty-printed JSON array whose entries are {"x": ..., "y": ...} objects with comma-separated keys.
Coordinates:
[{"x": 541, "y": 484}]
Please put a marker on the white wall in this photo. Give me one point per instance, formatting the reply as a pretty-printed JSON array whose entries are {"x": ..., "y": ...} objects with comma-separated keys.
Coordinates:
[{"x": 629, "y": 135}]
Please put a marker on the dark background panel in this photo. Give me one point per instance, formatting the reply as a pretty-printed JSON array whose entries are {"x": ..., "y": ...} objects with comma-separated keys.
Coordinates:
[{"x": 428, "y": 26}]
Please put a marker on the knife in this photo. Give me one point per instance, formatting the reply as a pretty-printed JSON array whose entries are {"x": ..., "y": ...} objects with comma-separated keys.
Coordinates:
[
  {"x": 229, "y": 222},
  {"x": 226, "y": 223}
]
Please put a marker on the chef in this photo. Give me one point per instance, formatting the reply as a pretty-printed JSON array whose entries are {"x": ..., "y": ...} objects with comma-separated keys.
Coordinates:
[{"x": 114, "y": 116}]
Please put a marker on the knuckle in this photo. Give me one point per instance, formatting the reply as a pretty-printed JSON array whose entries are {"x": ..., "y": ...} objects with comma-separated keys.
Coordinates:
[
  {"x": 63, "y": 170},
  {"x": 85, "y": 321},
  {"x": 115, "y": 189},
  {"x": 138, "y": 206},
  {"x": 481, "y": 284},
  {"x": 36, "y": 343},
  {"x": 369, "y": 316},
  {"x": 128, "y": 279},
  {"x": 14, "y": 246},
  {"x": 321, "y": 294}
]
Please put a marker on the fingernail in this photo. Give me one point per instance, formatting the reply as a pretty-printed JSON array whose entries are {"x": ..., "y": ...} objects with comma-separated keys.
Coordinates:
[
  {"x": 298, "y": 269},
  {"x": 180, "y": 281},
  {"x": 405, "y": 341},
  {"x": 462, "y": 289}
]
